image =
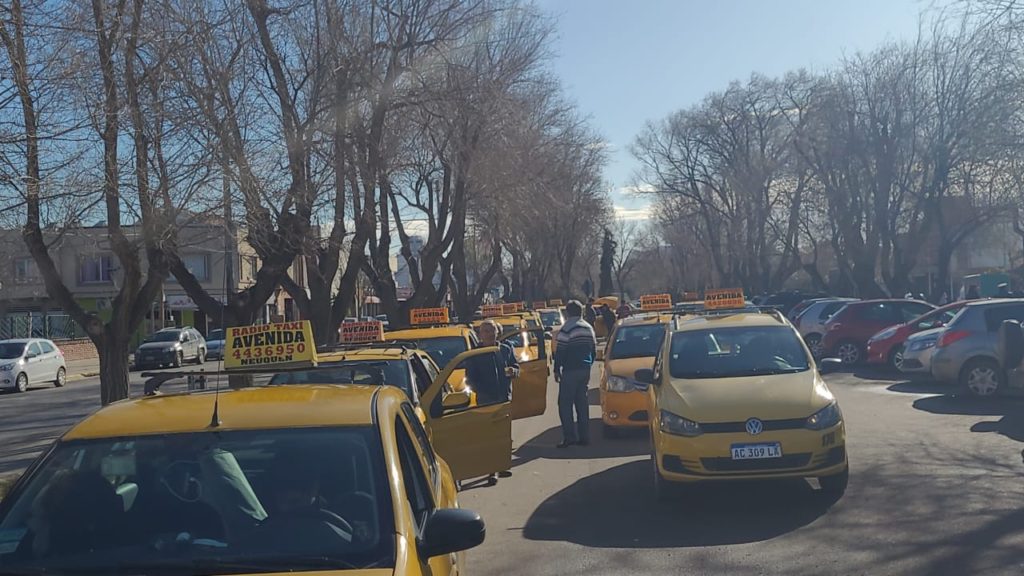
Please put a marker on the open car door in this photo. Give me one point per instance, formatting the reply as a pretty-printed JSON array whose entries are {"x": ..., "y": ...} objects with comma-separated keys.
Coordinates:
[
  {"x": 475, "y": 441},
  {"x": 530, "y": 389}
]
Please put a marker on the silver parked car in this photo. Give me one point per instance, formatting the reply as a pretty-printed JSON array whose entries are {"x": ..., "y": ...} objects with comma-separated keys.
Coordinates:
[
  {"x": 171, "y": 346},
  {"x": 29, "y": 361},
  {"x": 966, "y": 352},
  {"x": 811, "y": 321},
  {"x": 917, "y": 352}
]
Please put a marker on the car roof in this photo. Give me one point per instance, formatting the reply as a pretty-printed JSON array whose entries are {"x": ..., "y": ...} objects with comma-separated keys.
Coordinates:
[
  {"x": 262, "y": 407},
  {"x": 415, "y": 333},
  {"x": 740, "y": 318},
  {"x": 395, "y": 353},
  {"x": 19, "y": 340},
  {"x": 884, "y": 300},
  {"x": 646, "y": 318},
  {"x": 992, "y": 301}
]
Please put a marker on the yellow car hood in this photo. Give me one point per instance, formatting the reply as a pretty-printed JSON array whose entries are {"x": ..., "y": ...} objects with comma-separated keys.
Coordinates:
[
  {"x": 774, "y": 397},
  {"x": 626, "y": 367}
]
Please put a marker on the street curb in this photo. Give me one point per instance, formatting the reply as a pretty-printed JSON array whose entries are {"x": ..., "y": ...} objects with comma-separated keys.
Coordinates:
[{"x": 81, "y": 376}]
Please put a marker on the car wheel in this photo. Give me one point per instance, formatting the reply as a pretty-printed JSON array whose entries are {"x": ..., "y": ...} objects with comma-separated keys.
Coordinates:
[
  {"x": 813, "y": 342},
  {"x": 179, "y": 359},
  {"x": 201, "y": 357},
  {"x": 981, "y": 377},
  {"x": 62, "y": 377},
  {"x": 834, "y": 486},
  {"x": 21, "y": 382},
  {"x": 849, "y": 352},
  {"x": 896, "y": 358},
  {"x": 609, "y": 431}
]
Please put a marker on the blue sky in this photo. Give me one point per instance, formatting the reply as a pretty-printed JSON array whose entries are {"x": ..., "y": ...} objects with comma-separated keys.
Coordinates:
[{"x": 629, "y": 61}]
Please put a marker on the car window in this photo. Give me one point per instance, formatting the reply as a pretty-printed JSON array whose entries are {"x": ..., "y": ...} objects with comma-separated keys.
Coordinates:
[
  {"x": 912, "y": 310},
  {"x": 637, "y": 341},
  {"x": 417, "y": 490},
  {"x": 423, "y": 441},
  {"x": 216, "y": 335},
  {"x": 736, "y": 351},
  {"x": 223, "y": 499},
  {"x": 365, "y": 372},
  {"x": 164, "y": 336},
  {"x": 829, "y": 309},
  {"x": 994, "y": 315},
  {"x": 33, "y": 348},
  {"x": 46, "y": 347},
  {"x": 442, "y": 350},
  {"x": 880, "y": 312}
]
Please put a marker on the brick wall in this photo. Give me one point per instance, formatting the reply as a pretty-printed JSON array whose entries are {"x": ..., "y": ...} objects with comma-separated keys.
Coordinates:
[{"x": 77, "y": 349}]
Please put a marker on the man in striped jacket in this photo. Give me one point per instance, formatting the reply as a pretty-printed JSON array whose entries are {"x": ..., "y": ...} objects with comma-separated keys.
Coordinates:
[{"x": 574, "y": 355}]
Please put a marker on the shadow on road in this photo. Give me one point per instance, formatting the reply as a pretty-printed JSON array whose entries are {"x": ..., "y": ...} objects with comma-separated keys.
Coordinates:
[
  {"x": 730, "y": 513},
  {"x": 920, "y": 387},
  {"x": 544, "y": 445},
  {"x": 1009, "y": 409},
  {"x": 878, "y": 374}
]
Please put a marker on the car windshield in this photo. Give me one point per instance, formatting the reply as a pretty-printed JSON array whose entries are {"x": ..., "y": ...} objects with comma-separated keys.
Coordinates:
[
  {"x": 442, "y": 350},
  {"x": 216, "y": 335},
  {"x": 11, "y": 350},
  {"x": 736, "y": 351},
  {"x": 162, "y": 336},
  {"x": 367, "y": 372},
  {"x": 225, "y": 502},
  {"x": 637, "y": 341},
  {"x": 550, "y": 319}
]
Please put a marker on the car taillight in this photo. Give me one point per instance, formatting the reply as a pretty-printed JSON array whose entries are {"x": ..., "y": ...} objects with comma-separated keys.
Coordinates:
[{"x": 950, "y": 336}]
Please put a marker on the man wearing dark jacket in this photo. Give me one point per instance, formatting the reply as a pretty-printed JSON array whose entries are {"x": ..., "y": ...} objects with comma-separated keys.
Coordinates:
[{"x": 574, "y": 355}]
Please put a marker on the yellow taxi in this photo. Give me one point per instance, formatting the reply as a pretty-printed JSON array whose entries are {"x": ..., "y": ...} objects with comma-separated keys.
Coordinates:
[
  {"x": 632, "y": 345},
  {"x": 736, "y": 394},
  {"x": 303, "y": 478},
  {"x": 551, "y": 318}
]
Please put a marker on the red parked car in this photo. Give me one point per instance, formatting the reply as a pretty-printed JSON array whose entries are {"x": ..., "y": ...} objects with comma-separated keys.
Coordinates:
[
  {"x": 847, "y": 331},
  {"x": 886, "y": 347}
]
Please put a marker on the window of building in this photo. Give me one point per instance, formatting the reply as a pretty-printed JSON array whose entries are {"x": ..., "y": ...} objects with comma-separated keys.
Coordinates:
[
  {"x": 198, "y": 265},
  {"x": 25, "y": 270},
  {"x": 253, "y": 264},
  {"x": 94, "y": 269}
]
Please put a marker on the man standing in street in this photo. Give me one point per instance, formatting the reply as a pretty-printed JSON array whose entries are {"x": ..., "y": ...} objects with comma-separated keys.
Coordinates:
[{"x": 574, "y": 355}]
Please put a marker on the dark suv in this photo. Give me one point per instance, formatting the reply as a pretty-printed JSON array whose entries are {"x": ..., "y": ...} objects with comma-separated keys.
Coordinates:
[
  {"x": 171, "y": 347},
  {"x": 847, "y": 332}
]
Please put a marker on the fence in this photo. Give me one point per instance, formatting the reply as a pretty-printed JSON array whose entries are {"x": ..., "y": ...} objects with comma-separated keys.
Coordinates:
[{"x": 35, "y": 325}]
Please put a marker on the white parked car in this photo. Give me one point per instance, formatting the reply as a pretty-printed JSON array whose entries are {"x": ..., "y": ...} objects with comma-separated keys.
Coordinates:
[{"x": 28, "y": 361}]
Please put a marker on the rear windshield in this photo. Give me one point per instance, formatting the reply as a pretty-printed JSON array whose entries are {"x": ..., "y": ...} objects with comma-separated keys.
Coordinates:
[
  {"x": 736, "y": 351},
  {"x": 225, "y": 502},
  {"x": 11, "y": 350},
  {"x": 637, "y": 341},
  {"x": 550, "y": 319},
  {"x": 366, "y": 372}
]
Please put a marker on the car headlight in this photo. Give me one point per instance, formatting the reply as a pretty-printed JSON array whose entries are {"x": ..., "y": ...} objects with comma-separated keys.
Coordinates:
[
  {"x": 922, "y": 345},
  {"x": 827, "y": 417},
  {"x": 7, "y": 366},
  {"x": 620, "y": 384},
  {"x": 675, "y": 424}
]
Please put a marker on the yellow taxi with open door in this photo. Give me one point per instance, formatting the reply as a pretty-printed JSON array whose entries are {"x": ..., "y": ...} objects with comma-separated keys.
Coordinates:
[{"x": 530, "y": 388}]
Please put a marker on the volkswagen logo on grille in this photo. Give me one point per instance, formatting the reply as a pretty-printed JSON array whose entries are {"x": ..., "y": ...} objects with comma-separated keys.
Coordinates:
[{"x": 754, "y": 426}]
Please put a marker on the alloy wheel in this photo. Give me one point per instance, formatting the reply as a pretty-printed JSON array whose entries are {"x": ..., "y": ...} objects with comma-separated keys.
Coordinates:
[
  {"x": 982, "y": 381},
  {"x": 849, "y": 353}
]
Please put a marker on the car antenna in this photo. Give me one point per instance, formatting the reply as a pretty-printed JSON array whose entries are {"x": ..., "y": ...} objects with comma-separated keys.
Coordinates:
[{"x": 215, "y": 417}]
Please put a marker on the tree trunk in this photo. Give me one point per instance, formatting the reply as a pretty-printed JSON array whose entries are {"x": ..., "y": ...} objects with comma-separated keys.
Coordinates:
[{"x": 113, "y": 351}]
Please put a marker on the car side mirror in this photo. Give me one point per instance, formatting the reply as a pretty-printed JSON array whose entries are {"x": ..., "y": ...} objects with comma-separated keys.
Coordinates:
[
  {"x": 449, "y": 530},
  {"x": 30, "y": 355},
  {"x": 644, "y": 375},
  {"x": 829, "y": 365},
  {"x": 457, "y": 400}
]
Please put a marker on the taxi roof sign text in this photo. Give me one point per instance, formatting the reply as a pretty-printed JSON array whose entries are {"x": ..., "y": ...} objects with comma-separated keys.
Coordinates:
[
  {"x": 724, "y": 298},
  {"x": 361, "y": 332},
  {"x": 419, "y": 316},
  {"x": 488, "y": 310},
  {"x": 651, "y": 302},
  {"x": 538, "y": 304},
  {"x": 512, "y": 308},
  {"x": 277, "y": 343},
  {"x": 555, "y": 302}
]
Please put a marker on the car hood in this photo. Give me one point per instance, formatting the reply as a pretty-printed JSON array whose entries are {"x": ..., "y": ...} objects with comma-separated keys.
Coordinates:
[
  {"x": 926, "y": 334},
  {"x": 627, "y": 367},
  {"x": 157, "y": 346},
  {"x": 774, "y": 397}
]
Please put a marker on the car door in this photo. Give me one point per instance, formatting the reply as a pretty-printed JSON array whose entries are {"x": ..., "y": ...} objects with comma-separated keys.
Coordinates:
[
  {"x": 34, "y": 363},
  {"x": 530, "y": 388},
  {"x": 51, "y": 360},
  {"x": 475, "y": 441},
  {"x": 875, "y": 318}
]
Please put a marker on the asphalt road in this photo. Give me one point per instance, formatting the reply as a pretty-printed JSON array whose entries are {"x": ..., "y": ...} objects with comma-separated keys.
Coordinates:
[{"x": 935, "y": 488}]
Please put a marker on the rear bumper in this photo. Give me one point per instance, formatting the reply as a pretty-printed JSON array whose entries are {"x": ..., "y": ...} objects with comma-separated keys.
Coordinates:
[{"x": 805, "y": 453}]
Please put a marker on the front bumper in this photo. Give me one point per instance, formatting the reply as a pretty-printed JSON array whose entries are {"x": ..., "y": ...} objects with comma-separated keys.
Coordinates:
[
  {"x": 155, "y": 359},
  {"x": 624, "y": 409},
  {"x": 878, "y": 352},
  {"x": 917, "y": 362},
  {"x": 805, "y": 453}
]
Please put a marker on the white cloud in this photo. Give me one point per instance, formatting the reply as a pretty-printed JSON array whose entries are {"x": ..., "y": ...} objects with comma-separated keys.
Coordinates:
[
  {"x": 639, "y": 213},
  {"x": 635, "y": 190}
]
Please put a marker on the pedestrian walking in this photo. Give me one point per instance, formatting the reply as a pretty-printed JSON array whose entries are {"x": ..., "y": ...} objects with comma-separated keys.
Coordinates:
[{"x": 574, "y": 355}]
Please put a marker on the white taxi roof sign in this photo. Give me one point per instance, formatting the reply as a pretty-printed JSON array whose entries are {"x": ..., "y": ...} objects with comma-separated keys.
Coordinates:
[
  {"x": 279, "y": 343},
  {"x": 724, "y": 298},
  {"x": 420, "y": 316},
  {"x": 362, "y": 332}
]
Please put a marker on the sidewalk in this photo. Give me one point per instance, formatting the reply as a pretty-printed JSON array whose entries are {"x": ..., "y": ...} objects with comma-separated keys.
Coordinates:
[{"x": 81, "y": 369}]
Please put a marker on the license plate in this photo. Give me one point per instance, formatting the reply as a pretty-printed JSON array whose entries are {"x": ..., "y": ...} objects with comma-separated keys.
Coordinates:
[{"x": 756, "y": 451}]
